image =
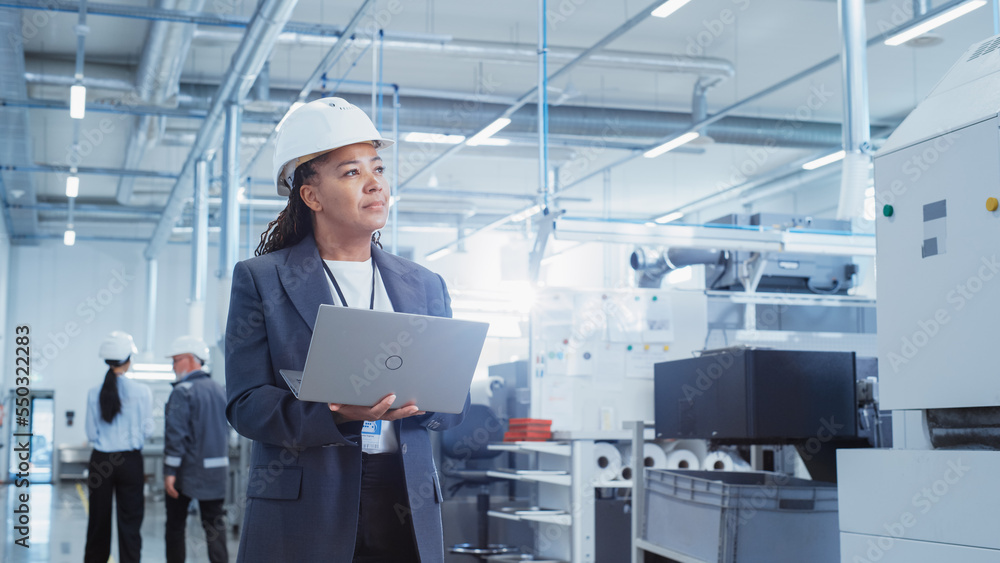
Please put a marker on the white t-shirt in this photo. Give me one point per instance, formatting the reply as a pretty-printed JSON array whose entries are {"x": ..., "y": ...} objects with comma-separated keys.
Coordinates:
[{"x": 355, "y": 281}]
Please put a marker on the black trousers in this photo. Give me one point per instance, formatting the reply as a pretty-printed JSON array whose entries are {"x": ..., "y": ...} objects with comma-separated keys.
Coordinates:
[
  {"x": 213, "y": 520},
  {"x": 117, "y": 476},
  {"x": 385, "y": 528}
]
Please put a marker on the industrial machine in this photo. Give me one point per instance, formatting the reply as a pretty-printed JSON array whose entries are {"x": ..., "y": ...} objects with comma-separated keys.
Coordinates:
[
  {"x": 754, "y": 271},
  {"x": 818, "y": 402},
  {"x": 937, "y": 184}
]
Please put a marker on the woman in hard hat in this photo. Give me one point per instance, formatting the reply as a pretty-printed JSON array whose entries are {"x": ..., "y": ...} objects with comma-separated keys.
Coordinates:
[
  {"x": 119, "y": 419},
  {"x": 357, "y": 484}
]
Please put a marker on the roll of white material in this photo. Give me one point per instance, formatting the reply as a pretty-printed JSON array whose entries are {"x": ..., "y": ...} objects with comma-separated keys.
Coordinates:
[
  {"x": 698, "y": 447},
  {"x": 608, "y": 460},
  {"x": 682, "y": 459},
  {"x": 723, "y": 461},
  {"x": 653, "y": 456}
]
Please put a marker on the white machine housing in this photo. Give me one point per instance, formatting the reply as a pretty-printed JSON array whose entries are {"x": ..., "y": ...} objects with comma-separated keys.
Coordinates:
[{"x": 938, "y": 261}]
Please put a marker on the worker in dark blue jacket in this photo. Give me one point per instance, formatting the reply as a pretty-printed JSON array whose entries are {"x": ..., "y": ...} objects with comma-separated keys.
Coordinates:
[{"x": 196, "y": 451}]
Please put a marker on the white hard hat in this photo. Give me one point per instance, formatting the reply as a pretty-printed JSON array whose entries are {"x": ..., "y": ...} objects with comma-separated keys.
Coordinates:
[
  {"x": 117, "y": 346},
  {"x": 189, "y": 345},
  {"x": 316, "y": 128}
]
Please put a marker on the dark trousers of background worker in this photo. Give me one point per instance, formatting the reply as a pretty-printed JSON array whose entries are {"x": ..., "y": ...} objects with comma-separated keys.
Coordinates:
[
  {"x": 385, "y": 527},
  {"x": 118, "y": 476},
  {"x": 213, "y": 520}
]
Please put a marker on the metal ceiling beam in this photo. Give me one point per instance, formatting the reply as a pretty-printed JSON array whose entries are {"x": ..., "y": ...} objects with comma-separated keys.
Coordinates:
[
  {"x": 213, "y": 19},
  {"x": 513, "y": 53},
  {"x": 531, "y": 94},
  {"x": 91, "y": 208},
  {"x": 15, "y": 132},
  {"x": 622, "y": 129},
  {"x": 128, "y": 109},
  {"x": 765, "y": 92},
  {"x": 150, "y": 13},
  {"x": 303, "y": 95},
  {"x": 63, "y": 169},
  {"x": 270, "y": 17},
  {"x": 157, "y": 80},
  {"x": 88, "y": 81}
]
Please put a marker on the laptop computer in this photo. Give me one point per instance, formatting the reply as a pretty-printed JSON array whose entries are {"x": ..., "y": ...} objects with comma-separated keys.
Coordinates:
[{"x": 357, "y": 356}]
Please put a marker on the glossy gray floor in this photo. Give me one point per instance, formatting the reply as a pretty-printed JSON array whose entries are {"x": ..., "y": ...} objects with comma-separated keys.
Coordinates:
[{"x": 58, "y": 528}]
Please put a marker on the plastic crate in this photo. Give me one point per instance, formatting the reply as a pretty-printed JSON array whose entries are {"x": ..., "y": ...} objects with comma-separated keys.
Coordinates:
[{"x": 752, "y": 517}]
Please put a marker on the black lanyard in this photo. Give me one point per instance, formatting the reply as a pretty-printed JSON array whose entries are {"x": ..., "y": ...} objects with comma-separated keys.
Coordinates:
[{"x": 340, "y": 293}]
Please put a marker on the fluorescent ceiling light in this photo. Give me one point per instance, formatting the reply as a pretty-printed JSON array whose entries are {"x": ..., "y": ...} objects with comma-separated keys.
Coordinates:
[
  {"x": 488, "y": 132},
  {"x": 671, "y": 6},
  {"x": 823, "y": 161},
  {"x": 294, "y": 107},
  {"x": 69, "y": 237},
  {"x": 77, "y": 101},
  {"x": 72, "y": 186},
  {"x": 936, "y": 21},
  {"x": 671, "y": 144},
  {"x": 437, "y": 138},
  {"x": 669, "y": 217}
]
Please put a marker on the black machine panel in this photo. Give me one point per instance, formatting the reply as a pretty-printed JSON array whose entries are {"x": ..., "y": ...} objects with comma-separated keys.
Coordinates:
[{"x": 742, "y": 395}]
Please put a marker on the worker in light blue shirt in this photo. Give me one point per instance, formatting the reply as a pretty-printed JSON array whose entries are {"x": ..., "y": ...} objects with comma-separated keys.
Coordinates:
[{"x": 119, "y": 419}]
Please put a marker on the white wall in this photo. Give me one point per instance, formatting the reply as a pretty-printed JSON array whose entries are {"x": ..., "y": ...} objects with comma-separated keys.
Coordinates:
[{"x": 74, "y": 296}]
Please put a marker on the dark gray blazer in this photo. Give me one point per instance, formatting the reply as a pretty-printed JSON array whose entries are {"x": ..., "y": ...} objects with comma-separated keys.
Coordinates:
[{"x": 305, "y": 471}]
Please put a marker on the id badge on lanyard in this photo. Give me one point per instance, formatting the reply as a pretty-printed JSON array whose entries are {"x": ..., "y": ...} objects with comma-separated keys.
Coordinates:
[{"x": 371, "y": 436}]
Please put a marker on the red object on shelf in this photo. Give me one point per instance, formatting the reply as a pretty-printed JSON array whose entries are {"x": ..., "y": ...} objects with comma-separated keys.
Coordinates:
[
  {"x": 518, "y": 436},
  {"x": 528, "y": 429}
]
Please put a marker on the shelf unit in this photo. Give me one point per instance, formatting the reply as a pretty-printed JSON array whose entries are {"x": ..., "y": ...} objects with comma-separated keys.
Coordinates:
[{"x": 566, "y": 479}]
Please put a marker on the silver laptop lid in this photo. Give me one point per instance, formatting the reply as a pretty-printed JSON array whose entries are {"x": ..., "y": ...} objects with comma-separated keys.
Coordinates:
[{"x": 357, "y": 356}]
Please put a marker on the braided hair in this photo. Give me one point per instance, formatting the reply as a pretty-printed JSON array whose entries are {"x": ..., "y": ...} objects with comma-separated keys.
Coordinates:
[{"x": 295, "y": 222}]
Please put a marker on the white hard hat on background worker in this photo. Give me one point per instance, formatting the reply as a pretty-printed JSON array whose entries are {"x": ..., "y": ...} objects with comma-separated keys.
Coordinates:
[
  {"x": 118, "y": 346},
  {"x": 317, "y": 128},
  {"x": 190, "y": 345}
]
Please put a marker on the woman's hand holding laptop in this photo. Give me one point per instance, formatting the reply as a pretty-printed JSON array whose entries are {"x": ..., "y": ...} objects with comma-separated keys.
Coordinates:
[{"x": 379, "y": 411}]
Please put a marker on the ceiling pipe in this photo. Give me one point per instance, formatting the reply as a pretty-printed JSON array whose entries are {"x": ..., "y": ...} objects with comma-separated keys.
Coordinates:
[
  {"x": 532, "y": 93},
  {"x": 270, "y": 17},
  {"x": 63, "y": 169},
  {"x": 117, "y": 108},
  {"x": 157, "y": 81},
  {"x": 112, "y": 84},
  {"x": 513, "y": 53},
  {"x": 625, "y": 129},
  {"x": 857, "y": 130},
  {"x": 612, "y": 125},
  {"x": 15, "y": 131},
  {"x": 721, "y": 114}
]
